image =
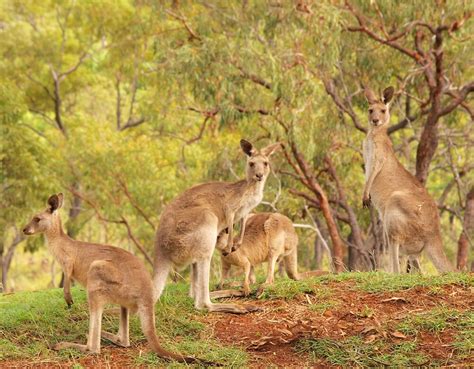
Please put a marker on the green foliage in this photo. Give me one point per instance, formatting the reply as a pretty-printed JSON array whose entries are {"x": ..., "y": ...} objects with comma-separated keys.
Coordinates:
[{"x": 133, "y": 81}]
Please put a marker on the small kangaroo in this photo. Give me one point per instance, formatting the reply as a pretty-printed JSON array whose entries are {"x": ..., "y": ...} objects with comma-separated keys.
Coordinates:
[
  {"x": 189, "y": 226},
  {"x": 409, "y": 215},
  {"x": 110, "y": 275},
  {"x": 268, "y": 237}
]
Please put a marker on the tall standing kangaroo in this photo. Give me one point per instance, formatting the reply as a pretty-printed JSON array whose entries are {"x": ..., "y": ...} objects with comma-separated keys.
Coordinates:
[
  {"x": 110, "y": 275},
  {"x": 189, "y": 226},
  {"x": 409, "y": 215}
]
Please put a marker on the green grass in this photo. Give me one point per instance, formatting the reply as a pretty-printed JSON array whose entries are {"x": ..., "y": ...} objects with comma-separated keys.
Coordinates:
[
  {"x": 440, "y": 319},
  {"x": 372, "y": 282},
  {"x": 436, "y": 321},
  {"x": 353, "y": 351},
  {"x": 32, "y": 322},
  {"x": 375, "y": 282}
]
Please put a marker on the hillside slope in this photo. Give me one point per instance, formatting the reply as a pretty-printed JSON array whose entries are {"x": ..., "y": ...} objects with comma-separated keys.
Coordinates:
[{"x": 352, "y": 319}]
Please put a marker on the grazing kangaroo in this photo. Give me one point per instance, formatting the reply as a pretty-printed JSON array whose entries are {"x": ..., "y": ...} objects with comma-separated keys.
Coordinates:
[
  {"x": 189, "y": 226},
  {"x": 409, "y": 215},
  {"x": 110, "y": 275},
  {"x": 268, "y": 237}
]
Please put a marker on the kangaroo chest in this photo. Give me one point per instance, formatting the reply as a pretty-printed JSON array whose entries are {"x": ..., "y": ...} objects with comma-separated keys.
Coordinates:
[
  {"x": 368, "y": 153},
  {"x": 248, "y": 203}
]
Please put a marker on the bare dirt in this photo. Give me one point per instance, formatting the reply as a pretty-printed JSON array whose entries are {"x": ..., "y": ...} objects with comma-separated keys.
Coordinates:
[{"x": 269, "y": 336}]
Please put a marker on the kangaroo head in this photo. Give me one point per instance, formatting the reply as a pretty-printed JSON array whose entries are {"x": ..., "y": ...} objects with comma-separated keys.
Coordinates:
[
  {"x": 258, "y": 165},
  {"x": 221, "y": 243},
  {"x": 379, "y": 114},
  {"x": 47, "y": 219}
]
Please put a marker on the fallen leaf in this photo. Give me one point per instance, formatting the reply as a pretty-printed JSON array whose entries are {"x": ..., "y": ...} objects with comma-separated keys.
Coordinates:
[
  {"x": 398, "y": 334},
  {"x": 371, "y": 338},
  {"x": 395, "y": 299},
  {"x": 368, "y": 329}
]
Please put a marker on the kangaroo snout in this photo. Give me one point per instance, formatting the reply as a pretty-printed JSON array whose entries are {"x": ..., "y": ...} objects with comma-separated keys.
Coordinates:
[
  {"x": 375, "y": 121},
  {"x": 27, "y": 231},
  {"x": 259, "y": 176}
]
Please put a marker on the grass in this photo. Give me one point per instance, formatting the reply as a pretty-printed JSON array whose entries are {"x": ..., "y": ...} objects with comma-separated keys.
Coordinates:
[
  {"x": 375, "y": 282},
  {"x": 439, "y": 320},
  {"x": 436, "y": 321},
  {"x": 372, "y": 282},
  {"x": 353, "y": 351},
  {"x": 32, "y": 322}
]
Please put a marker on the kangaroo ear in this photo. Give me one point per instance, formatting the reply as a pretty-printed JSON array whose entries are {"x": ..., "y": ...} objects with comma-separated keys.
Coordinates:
[
  {"x": 247, "y": 147},
  {"x": 270, "y": 149},
  {"x": 387, "y": 94},
  {"x": 61, "y": 200},
  {"x": 370, "y": 96},
  {"x": 53, "y": 202}
]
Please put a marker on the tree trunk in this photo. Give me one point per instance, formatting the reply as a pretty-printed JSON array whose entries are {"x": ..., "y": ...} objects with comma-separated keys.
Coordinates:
[
  {"x": 318, "y": 253},
  {"x": 427, "y": 147},
  {"x": 309, "y": 180},
  {"x": 467, "y": 232},
  {"x": 359, "y": 256},
  {"x": 7, "y": 259},
  {"x": 337, "y": 245}
]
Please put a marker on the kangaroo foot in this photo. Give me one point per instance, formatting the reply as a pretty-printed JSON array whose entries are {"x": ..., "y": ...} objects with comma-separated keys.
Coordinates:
[
  {"x": 76, "y": 346},
  {"x": 115, "y": 339}
]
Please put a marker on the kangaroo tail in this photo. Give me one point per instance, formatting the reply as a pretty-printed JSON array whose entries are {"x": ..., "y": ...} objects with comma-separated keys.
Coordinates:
[
  {"x": 161, "y": 270},
  {"x": 437, "y": 255},
  {"x": 147, "y": 320},
  {"x": 291, "y": 265}
]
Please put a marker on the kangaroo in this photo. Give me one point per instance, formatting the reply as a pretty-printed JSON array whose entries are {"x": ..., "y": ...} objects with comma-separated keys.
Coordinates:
[
  {"x": 110, "y": 275},
  {"x": 409, "y": 215},
  {"x": 190, "y": 224},
  {"x": 268, "y": 237}
]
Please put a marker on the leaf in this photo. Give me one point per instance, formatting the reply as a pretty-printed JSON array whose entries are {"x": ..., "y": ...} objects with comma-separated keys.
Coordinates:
[
  {"x": 398, "y": 334},
  {"x": 395, "y": 299}
]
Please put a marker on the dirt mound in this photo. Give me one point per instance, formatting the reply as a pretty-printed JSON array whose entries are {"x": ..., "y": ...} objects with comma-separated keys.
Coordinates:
[{"x": 270, "y": 335}]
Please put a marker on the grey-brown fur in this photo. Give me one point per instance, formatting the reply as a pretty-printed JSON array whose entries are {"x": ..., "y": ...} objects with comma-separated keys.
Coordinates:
[
  {"x": 191, "y": 222},
  {"x": 409, "y": 214},
  {"x": 268, "y": 237},
  {"x": 110, "y": 275}
]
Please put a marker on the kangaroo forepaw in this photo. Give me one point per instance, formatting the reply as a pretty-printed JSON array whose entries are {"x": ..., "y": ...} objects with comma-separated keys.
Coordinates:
[
  {"x": 366, "y": 201},
  {"x": 69, "y": 301}
]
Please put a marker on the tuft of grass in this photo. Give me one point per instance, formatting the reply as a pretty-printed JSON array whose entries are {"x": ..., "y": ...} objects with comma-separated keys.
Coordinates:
[
  {"x": 436, "y": 321},
  {"x": 353, "y": 351},
  {"x": 464, "y": 343},
  {"x": 32, "y": 322},
  {"x": 322, "y": 307},
  {"x": 287, "y": 289}
]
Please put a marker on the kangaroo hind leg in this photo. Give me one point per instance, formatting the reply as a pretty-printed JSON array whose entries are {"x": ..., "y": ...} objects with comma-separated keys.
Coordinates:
[{"x": 121, "y": 339}]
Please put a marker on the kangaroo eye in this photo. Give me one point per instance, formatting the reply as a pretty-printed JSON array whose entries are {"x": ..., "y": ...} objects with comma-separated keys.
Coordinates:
[
  {"x": 371, "y": 111},
  {"x": 36, "y": 219},
  {"x": 266, "y": 163},
  {"x": 383, "y": 111},
  {"x": 252, "y": 164}
]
